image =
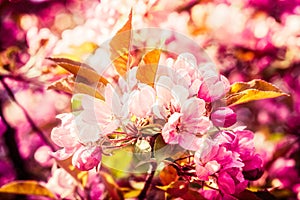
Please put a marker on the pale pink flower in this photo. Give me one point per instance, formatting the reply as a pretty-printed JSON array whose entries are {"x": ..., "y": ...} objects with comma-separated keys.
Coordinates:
[
  {"x": 183, "y": 125},
  {"x": 101, "y": 113},
  {"x": 61, "y": 183},
  {"x": 65, "y": 136},
  {"x": 141, "y": 100}
]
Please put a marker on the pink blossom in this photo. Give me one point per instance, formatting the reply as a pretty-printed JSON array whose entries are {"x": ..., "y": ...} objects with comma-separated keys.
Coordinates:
[
  {"x": 86, "y": 158},
  {"x": 101, "y": 114},
  {"x": 213, "y": 88},
  {"x": 65, "y": 136},
  {"x": 61, "y": 183},
  {"x": 142, "y": 100},
  {"x": 190, "y": 120}
]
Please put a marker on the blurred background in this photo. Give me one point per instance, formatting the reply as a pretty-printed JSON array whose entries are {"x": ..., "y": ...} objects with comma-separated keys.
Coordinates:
[{"x": 247, "y": 39}]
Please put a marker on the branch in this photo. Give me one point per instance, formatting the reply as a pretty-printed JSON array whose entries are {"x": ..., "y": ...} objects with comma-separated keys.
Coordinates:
[
  {"x": 13, "y": 152},
  {"x": 34, "y": 127}
]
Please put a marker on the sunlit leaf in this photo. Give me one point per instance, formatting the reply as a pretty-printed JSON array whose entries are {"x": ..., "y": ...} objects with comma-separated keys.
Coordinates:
[
  {"x": 69, "y": 86},
  {"x": 86, "y": 89},
  {"x": 80, "y": 69},
  {"x": 65, "y": 84},
  {"x": 176, "y": 189},
  {"x": 119, "y": 47},
  {"x": 242, "y": 92},
  {"x": 26, "y": 188},
  {"x": 80, "y": 176},
  {"x": 111, "y": 186},
  {"x": 168, "y": 175},
  {"x": 147, "y": 69},
  {"x": 131, "y": 194}
]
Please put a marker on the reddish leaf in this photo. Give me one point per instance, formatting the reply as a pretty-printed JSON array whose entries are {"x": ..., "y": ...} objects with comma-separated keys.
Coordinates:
[
  {"x": 119, "y": 47},
  {"x": 26, "y": 188},
  {"x": 147, "y": 69},
  {"x": 192, "y": 195},
  {"x": 241, "y": 92},
  {"x": 111, "y": 186},
  {"x": 247, "y": 194},
  {"x": 80, "y": 69}
]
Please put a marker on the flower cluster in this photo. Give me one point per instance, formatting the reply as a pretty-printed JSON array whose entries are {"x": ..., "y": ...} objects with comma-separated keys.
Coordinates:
[
  {"x": 151, "y": 115},
  {"x": 184, "y": 105},
  {"x": 227, "y": 161}
]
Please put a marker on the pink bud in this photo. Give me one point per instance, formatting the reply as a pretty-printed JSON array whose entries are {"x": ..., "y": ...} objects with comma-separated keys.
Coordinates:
[
  {"x": 86, "y": 158},
  {"x": 223, "y": 117}
]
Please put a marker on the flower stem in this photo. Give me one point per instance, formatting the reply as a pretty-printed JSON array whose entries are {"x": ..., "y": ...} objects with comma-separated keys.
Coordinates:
[
  {"x": 150, "y": 176},
  {"x": 149, "y": 179}
]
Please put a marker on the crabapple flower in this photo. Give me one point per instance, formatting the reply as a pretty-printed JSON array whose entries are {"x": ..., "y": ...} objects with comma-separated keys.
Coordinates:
[
  {"x": 61, "y": 183},
  {"x": 223, "y": 117},
  {"x": 227, "y": 159},
  {"x": 86, "y": 158},
  {"x": 183, "y": 126},
  {"x": 141, "y": 100},
  {"x": 213, "y": 88},
  {"x": 65, "y": 136},
  {"x": 105, "y": 116}
]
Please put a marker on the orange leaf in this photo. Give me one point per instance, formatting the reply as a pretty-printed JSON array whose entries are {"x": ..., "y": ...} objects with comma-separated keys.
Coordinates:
[
  {"x": 147, "y": 71},
  {"x": 119, "y": 47},
  {"x": 176, "y": 188},
  {"x": 68, "y": 85},
  {"x": 26, "y": 188},
  {"x": 65, "y": 84},
  {"x": 242, "y": 92},
  {"x": 80, "y": 176},
  {"x": 168, "y": 175},
  {"x": 80, "y": 69}
]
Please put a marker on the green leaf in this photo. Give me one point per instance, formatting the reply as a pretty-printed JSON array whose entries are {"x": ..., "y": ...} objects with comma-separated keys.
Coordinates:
[
  {"x": 111, "y": 186},
  {"x": 242, "y": 92},
  {"x": 119, "y": 169},
  {"x": 81, "y": 70},
  {"x": 26, "y": 188},
  {"x": 147, "y": 69},
  {"x": 119, "y": 47},
  {"x": 163, "y": 150}
]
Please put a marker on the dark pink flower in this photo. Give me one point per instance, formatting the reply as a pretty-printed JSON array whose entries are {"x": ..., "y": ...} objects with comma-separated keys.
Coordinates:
[
  {"x": 86, "y": 158},
  {"x": 223, "y": 117}
]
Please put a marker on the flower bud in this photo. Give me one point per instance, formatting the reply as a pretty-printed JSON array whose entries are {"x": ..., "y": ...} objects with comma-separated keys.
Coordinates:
[
  {"x": 254, "y": 174},
  {"x": 223, "y": 117},
  {"x": 86, "y": 158}
]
